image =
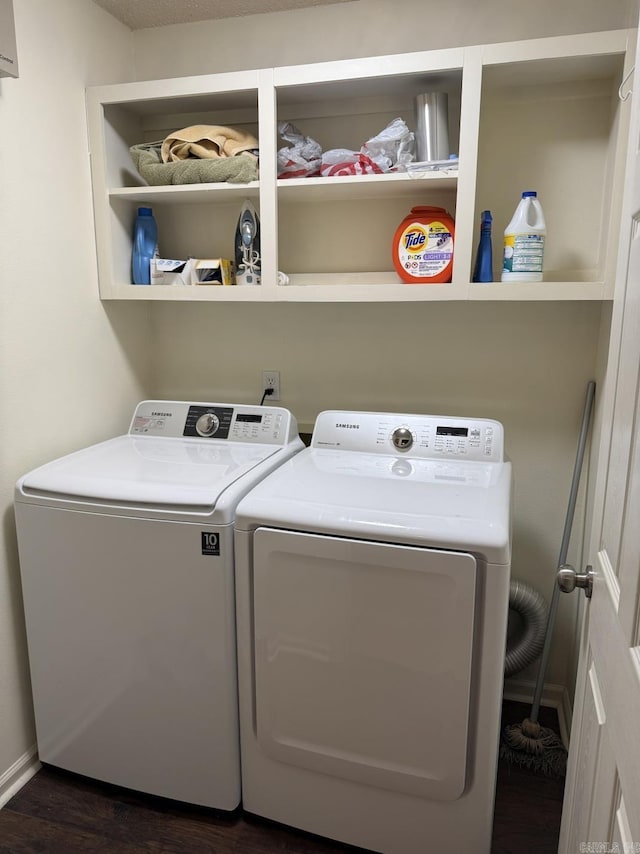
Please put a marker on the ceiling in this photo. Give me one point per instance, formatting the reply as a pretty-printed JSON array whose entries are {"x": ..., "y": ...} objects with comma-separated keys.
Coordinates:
[{"x": 139, "y": 14}]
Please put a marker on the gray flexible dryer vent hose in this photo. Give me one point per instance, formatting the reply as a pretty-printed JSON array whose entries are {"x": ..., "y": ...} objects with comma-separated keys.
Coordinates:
[{"x": 527, "y": 646}]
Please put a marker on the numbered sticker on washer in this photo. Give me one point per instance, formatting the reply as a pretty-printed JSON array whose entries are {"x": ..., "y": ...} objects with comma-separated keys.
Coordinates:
[{"x": 210, "y": 543}]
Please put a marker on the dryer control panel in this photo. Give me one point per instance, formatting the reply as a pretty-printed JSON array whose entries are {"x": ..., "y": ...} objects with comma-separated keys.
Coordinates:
[
  {"x": 266, "y": 425},
  {"x": 417, "y": 436}
]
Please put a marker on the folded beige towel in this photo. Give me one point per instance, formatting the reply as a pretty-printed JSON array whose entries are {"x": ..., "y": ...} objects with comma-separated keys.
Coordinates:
[{"x": 207, "y": 142}]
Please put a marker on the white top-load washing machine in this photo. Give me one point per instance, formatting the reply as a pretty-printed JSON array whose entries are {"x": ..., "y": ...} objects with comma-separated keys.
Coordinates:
[
  {"x": 126, "y": 556},
  {"x": 372, "y": 587}
]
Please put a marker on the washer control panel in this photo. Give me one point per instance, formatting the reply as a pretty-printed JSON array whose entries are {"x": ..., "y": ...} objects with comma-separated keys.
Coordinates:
[
  {"x": 421, "y": 436},
  {"x": 207, "y": 422},
  {"x": 176, "y": 419}
]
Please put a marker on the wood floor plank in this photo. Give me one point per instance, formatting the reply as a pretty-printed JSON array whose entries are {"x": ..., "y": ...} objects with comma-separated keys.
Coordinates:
[
  {"x": 20, "y": 834},
  {"x": 119, "y": 815},
  {"x": 527, "y": 812},
  {"x": 260, "y": 836}
]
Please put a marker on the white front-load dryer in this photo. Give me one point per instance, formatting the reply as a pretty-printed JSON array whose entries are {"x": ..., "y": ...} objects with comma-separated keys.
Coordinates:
[
  {"x": 127, "y": 565},
  {"x": 372, "y": 585}
]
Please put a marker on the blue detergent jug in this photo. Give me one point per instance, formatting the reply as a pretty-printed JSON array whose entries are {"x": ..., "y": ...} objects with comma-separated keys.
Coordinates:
[{"x": 145, "y": 246}]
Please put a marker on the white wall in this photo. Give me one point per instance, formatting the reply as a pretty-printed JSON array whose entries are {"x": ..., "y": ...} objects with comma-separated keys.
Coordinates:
[
  {"x": 70, "y": 370},
  {"x": 525, "y": 364},
  {"x": 363, "y": 28}
]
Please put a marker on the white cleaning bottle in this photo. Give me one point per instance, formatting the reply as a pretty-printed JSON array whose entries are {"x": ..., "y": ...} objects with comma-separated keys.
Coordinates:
[{"x": 524, "y": 241}]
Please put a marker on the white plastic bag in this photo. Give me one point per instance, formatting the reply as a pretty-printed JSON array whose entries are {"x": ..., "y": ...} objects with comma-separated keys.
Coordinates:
[
  {"x": 394, "y": 146},
  {"x": 342, "y": 161},
  {"x": 391, "y": 149},
  {"x": 302, "y": 159}
]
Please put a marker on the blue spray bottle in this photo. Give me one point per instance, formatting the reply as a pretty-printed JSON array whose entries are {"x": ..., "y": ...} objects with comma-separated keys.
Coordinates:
[{"x": 483, "y": 270}]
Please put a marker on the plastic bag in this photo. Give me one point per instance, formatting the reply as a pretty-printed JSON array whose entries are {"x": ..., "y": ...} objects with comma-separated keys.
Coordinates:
[
  {"x": 342, "y": 161},
  {"x": 392, "y": 148},
  {"x": 302, "y": 159}
]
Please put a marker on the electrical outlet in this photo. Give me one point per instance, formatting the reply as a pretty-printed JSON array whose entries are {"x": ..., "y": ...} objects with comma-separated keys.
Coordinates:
[{"x": 271, "y": 379}]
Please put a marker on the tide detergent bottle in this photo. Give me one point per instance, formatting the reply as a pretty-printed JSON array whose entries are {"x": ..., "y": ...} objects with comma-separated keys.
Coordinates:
[{"x": 423, "y": 246}]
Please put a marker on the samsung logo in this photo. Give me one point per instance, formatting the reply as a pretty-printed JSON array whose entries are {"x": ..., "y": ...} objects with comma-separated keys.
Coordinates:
[
  {"x": 349, "y": 426},
  {"x": 162, "y": 414}
]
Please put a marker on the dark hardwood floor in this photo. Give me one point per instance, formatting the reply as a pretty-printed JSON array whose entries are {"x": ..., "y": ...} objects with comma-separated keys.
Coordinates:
[{"x": 61, "y": 813}]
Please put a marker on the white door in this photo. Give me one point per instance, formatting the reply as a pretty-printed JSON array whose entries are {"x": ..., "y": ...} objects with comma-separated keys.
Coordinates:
[{"x": 602, "y": 796}]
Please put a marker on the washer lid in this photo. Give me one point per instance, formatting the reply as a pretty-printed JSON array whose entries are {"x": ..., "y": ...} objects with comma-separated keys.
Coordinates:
[
  {"x": 136, "y": 470},
  {"x": 440, "y": 503}
]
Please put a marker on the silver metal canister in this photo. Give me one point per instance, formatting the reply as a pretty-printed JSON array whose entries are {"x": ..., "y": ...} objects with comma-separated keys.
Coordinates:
[{"x": 432, "y": 126}]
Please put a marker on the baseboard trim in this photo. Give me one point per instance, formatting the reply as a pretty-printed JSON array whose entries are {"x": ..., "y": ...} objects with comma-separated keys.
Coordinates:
[
  {"x": 553, "y": 696},
  {"x": 15, "y": 777}
]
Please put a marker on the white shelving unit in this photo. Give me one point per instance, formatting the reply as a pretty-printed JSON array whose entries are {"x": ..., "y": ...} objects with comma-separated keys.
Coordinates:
[{"x": 541, "y": 114}]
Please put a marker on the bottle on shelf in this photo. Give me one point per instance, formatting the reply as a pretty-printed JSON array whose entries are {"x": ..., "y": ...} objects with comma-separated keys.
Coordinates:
[
  {"x": 524, "y": 241},
  {"x": 483, "y": 270},
  {"x": 422, "y": 248},
  {"x": 145, "y": 246}
]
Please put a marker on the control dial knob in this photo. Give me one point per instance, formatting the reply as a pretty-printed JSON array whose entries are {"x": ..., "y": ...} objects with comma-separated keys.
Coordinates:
[
  {"x": 207, "y": 424},
  {"x": 402, "y": 438}
]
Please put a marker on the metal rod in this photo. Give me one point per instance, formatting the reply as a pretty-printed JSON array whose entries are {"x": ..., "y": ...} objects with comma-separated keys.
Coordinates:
[{"x": 562, "y": 559}]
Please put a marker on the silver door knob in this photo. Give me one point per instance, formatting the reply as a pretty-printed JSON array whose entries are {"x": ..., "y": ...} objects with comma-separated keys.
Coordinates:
[{"x": 568, "y": 579}]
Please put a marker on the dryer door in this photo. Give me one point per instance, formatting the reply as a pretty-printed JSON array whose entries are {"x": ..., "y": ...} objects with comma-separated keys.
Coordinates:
[{"x": 363, "y": 659}]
